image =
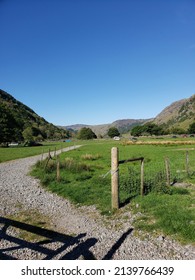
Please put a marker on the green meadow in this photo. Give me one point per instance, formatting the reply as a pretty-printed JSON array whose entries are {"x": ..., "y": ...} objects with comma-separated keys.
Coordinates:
[
  {"x": 17, "y": 152},
  {"x": 85, "y": 179}
]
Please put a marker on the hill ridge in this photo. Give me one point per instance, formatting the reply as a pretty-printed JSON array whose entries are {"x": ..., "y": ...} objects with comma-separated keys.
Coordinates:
[
  {"x": 123, "y": 125},
  {"x": 179, "y": 114},
  {"x": 19, "y": 122}
]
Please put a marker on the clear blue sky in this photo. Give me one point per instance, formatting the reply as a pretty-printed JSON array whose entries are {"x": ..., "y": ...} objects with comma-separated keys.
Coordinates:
[{"x": 96, "y": 61}]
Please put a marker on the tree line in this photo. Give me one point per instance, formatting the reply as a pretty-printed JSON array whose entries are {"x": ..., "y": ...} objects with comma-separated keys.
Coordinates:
[
  {"x": 154, "y": 129},
  {"x": 148, "y": 129},
  {"x": 86, "y": 133}
]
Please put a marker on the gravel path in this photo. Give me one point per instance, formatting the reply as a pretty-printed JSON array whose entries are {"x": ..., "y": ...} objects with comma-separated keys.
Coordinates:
[{"x": 72, "y": 233}]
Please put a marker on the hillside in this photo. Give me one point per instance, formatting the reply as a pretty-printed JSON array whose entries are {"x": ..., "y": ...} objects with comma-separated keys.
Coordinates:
[
  {"x": 102, "y": 129},
  {"x": 18, "y": 122},
  {"x": 179, "y": 114}
]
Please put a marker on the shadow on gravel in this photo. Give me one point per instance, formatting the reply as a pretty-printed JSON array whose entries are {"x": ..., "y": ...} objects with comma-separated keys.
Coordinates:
[
  {"x": 51, "y": 244},
  {"x": 117, "y": 245}
]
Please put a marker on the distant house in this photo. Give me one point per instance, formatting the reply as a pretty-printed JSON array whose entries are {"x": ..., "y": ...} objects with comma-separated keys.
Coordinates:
[
  {"x": 13, "y": 144},
  {"x": 116, "y": 138}
]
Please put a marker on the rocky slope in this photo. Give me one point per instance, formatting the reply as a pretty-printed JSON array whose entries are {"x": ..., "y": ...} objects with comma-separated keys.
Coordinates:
[{"x": 179, "y": 114}]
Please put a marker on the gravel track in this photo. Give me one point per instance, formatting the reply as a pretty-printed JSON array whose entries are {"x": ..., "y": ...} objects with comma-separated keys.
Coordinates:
[{"x": 72, "y": 233}]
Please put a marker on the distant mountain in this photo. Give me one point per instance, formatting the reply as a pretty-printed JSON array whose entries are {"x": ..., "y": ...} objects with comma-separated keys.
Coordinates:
[
  {"x": 179, "y": 114},
  {"x": 75, "y": 127},
  {"x": 102, "y": 129},
  {"x": 18, "y": 122},
  {"x": 127, "y": 124}
]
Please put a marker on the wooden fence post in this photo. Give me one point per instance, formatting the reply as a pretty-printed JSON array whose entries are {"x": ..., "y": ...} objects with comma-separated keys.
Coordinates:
[
  {"x": 167, "y": 166},
  {"x": 115, "y": 178},
  {"x": 58, "y": 168},
  {"x": 187, "y": 163},
  {"x": 142, "y": 177},
  {"x": 42, "y": 155}
]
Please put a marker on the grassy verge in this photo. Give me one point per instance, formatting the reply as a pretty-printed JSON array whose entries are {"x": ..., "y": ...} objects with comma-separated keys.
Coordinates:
[
  {"x": 171, "y": 214},
  {"x": 82, "y": 177},
  {"x": 32, "y": 218},
  {"x": 12, "y": 153}
]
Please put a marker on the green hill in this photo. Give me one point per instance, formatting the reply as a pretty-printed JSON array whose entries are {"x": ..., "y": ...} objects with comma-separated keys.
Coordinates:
[
  {"x": 20, "y": 123},
  {"x": 179, "y": 114}
]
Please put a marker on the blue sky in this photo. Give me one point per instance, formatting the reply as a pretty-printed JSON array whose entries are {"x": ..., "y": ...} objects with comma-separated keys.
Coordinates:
[{"x": 96, "y": 61}]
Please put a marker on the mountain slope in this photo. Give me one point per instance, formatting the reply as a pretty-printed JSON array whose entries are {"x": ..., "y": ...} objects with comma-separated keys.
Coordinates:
[
  {"x": 102, "y": 129},
  {"x": 15, "y": 118},
  {"x": 179, "y": 114}
]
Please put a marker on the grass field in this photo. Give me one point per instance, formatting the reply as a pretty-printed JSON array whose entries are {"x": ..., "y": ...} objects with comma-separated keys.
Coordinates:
[
  {"x": 85, "y": 180},
  {"x": 12, "y": 153}
]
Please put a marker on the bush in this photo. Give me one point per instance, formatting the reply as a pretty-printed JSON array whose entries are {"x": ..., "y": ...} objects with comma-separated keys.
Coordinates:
[
  {"x": 113, "y": 131},
  {"x": 86, "y": 134},
  {"x": 90, "y": 157},
  {"x": 31, "y": 144},
  {"x": 154, "y": 181}
]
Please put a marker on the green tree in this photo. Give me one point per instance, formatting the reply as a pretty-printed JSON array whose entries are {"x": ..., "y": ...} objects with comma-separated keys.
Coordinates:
[
  {"x": 113, "y": 131},
  {"x": 8, "y": 125},
  {"x": 152, "y": 129},
  {"x": 149, "y": 128},
  {"x": 86, "y": 133},
  {"x": 178, "y": 130},
  {"x": 191, "y": 128},
  {"x": 137, "y": 130},
  {"x": 28, "y": 134}
]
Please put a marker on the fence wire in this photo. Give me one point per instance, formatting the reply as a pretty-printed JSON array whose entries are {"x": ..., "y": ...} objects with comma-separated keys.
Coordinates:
[{"x": 157, "y": 178}]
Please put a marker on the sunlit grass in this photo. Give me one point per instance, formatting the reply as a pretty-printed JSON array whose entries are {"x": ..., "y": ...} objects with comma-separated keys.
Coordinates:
[
  {"x": 171, "y": 214},
  {"x": 13, "y": 153}
]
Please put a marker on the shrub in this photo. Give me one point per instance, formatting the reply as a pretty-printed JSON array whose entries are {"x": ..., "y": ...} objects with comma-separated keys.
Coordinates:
[
  {"x": 113, "y": 131},
  {"x": 86, "y": 133},
  {"x": 90, "y": 157},
  {"x": 75, "y": 166},
  {"x": 154, "y": 181}
]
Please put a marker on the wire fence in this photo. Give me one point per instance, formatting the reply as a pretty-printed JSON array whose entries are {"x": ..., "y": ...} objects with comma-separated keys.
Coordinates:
[{"x": 159, "y": 174}]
